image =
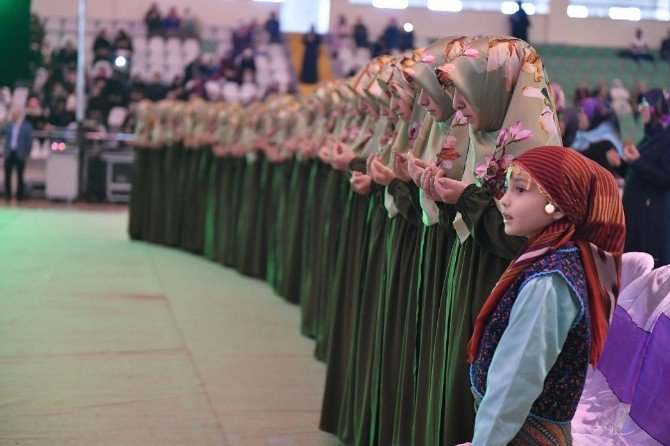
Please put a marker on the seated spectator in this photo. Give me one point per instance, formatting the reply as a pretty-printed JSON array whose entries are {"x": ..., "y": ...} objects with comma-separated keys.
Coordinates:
[
  {"x": 155, "y": 90},
  {"x": 195, "y": 69},
  {"x": 636, "y": 97},
  {"x": 212, "y": 68},
  {"x": 102, "y": 47},
  {"x": 35, "y": 115},
  {"x": 137, "y": 89},
  {"x": 227, "y": 67},
  {"x": 116, "y": 91},
  {"x": 391, "y": 35},
  {"x": 272, "y": 27},
  {"x": 665, "y": 48},
  {"x": 559, "y": 96},
  {"x": 123, "y": 42},
  {"x": 639, "y": 49},
  {"x": 171, "y": 23},
  {"x": 581, "y": 92},
  {"x": 98, "y": 103},
  {"x": 339, "y": 35},
  {"x": 153, "y": 21},
  {"x": 245, "y": 63},
  {"x": 67, "y": 55},
  {"x": 360, "y": 34},
  {"x": 620, "y": 97},
  {"x": 189, "y": 25},
  {"x": 406, "y": 40},
  {"x": 602, "y": 90},
  {"x": 59, "y": 116},
  {"x": 599, "y": 136}
]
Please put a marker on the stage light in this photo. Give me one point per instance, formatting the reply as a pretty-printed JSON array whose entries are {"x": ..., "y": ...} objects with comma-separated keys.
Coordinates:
[
  {"x": 578, "y": 11},
  {"x": 617, "y": 13},
  {"x": 445, "y": 5},
  {"x": 509, "y": 7},
  {"x": 408, "y": 27},
  {"x": 120, "y": 61},
  {"x": 529, "y": 8},
  {"x": 390, "y": 4}
]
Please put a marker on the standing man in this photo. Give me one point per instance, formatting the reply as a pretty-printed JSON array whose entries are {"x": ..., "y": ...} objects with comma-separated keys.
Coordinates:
[
  {"x": 18, "y": 143},
  {"x": 520, "y": 23}
]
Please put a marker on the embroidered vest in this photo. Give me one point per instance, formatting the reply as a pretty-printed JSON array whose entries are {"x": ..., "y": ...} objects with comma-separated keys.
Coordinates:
[{"x": 565, "y": 381}]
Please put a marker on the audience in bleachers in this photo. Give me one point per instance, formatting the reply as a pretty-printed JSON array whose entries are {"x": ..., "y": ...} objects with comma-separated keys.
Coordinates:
[
  {"x": 272, "y": 27},
  {"x": 154, "y": 21},
  {"x": 360, "y": 32},
  {"x": 665, "y": 48},
  {"x": 639, "y": 49}
]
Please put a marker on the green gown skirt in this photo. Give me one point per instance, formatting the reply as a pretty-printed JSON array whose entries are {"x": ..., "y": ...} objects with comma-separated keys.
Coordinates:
[
  {"x": 214, "y": 195},
  {"x": 361, "y": 361},
  {"x": 335, "y": 198},
  {"x": 138, "y": 194},
  {"x": 436, "y": 248},
  {"x": 337, "y": 407}
]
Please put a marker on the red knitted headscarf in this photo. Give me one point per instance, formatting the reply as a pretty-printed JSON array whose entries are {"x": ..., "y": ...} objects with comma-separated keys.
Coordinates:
[{"x": 594, "y": 222}]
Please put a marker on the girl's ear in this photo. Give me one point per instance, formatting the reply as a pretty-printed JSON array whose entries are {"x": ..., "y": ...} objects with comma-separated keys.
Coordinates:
[{"x": 557, "y": 215}]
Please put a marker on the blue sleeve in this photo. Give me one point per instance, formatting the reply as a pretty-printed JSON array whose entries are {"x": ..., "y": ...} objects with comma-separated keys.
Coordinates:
[{"x": 541, "y": 317}]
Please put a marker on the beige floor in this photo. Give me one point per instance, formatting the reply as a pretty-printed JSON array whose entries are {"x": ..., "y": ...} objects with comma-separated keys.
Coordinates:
[{"x": 104, "y": 341}]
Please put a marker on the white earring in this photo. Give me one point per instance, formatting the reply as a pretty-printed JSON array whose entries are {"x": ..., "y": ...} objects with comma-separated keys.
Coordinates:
[{"x": 549, "y": 209}]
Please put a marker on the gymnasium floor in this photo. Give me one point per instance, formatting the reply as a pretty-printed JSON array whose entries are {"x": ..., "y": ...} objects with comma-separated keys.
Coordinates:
[{"x": 104, "y": 341}]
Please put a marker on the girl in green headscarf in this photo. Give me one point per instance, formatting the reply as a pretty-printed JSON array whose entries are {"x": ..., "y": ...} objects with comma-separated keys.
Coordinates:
[
  {"x": 392, "y": 412},
  {"x": 450, "y": 145},
  {"x": 345, "y": 296},
  {"x": 499, "y": 88}
]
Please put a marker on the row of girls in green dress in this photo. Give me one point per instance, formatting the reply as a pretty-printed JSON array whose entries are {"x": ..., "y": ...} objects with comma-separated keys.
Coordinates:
[{"x": 369, "y": 204}]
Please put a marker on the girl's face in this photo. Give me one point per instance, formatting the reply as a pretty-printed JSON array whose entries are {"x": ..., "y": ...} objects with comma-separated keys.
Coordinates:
[
  {"x": 400, "y": 107},
  {"x": 431, "y": 106},
  {"x": 523, "y": 207},
  {"x": 384, "y": 110},
  {"x": 460, "y": 103}
]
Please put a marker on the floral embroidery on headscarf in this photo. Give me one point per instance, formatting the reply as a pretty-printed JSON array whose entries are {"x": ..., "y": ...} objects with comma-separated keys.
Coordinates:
[
  {"x": 505, "y": 53},
  {"x": 546, "y": 118},
  {"x": 459, "y": 120},
  {"x": 413, "y": 133},
  {"x": 443, "y": 72},
  {"x": 492, "y": 171},
  {"x": 532, "y": 64},
  {"x": 448, "y": 154}
]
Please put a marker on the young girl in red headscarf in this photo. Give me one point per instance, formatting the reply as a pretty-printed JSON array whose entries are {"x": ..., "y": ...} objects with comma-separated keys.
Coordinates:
[{"x": 547, "y": 317}]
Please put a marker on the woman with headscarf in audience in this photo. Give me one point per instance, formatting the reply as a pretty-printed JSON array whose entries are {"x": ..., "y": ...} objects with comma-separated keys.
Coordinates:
[
  {"x": 581, "y": 92},
  {"x": 646, "y": 196},
  {"x": 499, "y": 88},
  {"x": 599, "y": 136},
  {"x": 568, "y": 121},
  {"x": 620, "y": 97}
]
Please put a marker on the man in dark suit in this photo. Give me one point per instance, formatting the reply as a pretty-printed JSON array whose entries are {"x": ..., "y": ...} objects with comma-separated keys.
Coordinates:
[{"x": 18, "y": 143}]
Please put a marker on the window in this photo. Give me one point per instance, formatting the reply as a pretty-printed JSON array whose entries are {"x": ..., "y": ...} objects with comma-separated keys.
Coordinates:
[
  {"x": 507, "y": 7},
  {"x": 621, "y": 9}
]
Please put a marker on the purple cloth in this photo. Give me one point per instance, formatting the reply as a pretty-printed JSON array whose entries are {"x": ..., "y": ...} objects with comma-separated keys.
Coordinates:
[
  {"x": 651, "y": 404},
  {"x": 622, "y": 356}
]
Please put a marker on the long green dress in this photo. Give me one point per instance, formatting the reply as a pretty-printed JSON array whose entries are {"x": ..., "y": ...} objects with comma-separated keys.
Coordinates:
[{"x": 337, "y": 414}]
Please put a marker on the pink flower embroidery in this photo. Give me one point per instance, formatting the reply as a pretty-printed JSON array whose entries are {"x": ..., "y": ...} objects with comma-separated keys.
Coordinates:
[
  {"x": 443, "y": 73},
  {"x": 413, "y": 133},
  {"x": 459, "y": 119},
  {"x": 492, "y": 171},
  {"x": 428, "y": 58},
  {"x": 448, "y": 153},
  {"x": 469, "y": 51}
]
